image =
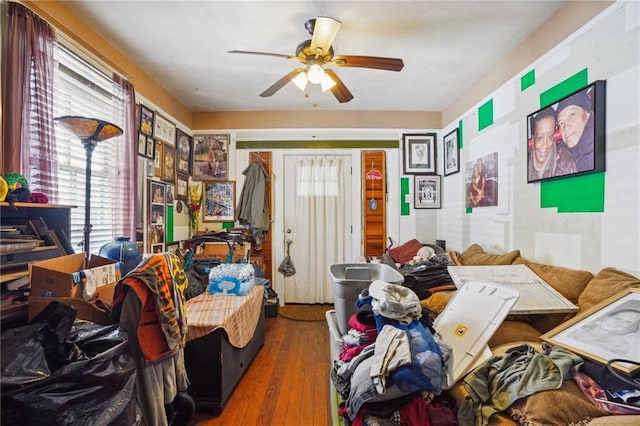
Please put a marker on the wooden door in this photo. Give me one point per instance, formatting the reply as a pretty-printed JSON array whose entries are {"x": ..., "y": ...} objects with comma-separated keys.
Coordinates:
[{"x": 374, "y": 184}]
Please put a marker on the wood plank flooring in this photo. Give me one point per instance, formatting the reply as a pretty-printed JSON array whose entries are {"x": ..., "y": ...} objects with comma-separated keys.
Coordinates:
[{"x": 287, "y": 383}]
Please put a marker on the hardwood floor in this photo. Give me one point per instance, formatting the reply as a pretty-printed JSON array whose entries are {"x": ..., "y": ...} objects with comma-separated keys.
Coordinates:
[{"x": 286, "y": 384}]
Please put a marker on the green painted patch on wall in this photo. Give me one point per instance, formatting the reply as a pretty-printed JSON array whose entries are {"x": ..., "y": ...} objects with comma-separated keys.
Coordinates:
[
  {"x": 527, "y": 80},
  {"x": 329, "y": 144},
  {"x": 404, "y": 191},
  {"x": 169, "y": 223},
  {"x": 461, "y": 133},
  {"x": 469, "y": 210},
  {"x": 576, "y": 194},
  {"x": 485, "y": 115}
]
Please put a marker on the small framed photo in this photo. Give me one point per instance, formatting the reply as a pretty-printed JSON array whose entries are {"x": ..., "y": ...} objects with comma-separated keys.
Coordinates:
[
  {"x": 183, "y": 144},
  {"x": 157, "y": 158},
  {"x": 157, "y": 248},
  {"x": 157, "y": 191},
  {"x": 419, "y": 153},
  {"x": 427, "y": 192},
  {"x": 142, "y": 144},
  {"x": 150, "y": 147},
  {"x": 168, "y": 164},
  {"x": 146, "y": 120},
  {"x": 164, "y": 130},
  {"x": 608, "y": 331},
  {"x": 169, "y": 197},
  {"x": 219, "y": 201},
  {"x": 451, "y": 144},
  {"x": 151, "y": 168},
  {"x": 182, "y": 188},
  {"x": 173, "y": 247},
  {"x": 210, "y": 156}
]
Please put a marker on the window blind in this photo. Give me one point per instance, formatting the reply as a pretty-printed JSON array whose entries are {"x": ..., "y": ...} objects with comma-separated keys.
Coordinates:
[{"x": 82, "y": 89}]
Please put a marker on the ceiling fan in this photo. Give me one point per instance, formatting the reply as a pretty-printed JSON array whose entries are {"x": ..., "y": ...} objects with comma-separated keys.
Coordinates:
[{"x": 316, "y": 53}]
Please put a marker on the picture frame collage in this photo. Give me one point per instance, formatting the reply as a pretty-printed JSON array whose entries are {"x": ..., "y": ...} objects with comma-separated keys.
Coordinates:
[{"x": 419, "y": 159}]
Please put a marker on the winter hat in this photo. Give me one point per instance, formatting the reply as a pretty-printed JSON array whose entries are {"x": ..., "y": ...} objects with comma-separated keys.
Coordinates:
[{"x": 581, "y": 99}]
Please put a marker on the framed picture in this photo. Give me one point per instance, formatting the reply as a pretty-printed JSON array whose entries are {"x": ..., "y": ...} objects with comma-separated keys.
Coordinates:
[
  {"x": 609, "y": 330},
  {"x": 567, "y": 138},
  {"x": 481, "y": 181},
  {"x": 157, "y": 214},
  {"x": 157, "y": 191},
  {"x": 182, "y": 188},
  {"x": 451, "y": 144},
  {"x": 157, "y": 158},
  {"x": 219, "y": 201},
  {"x": 146, "y": 120},
  {"x": 419, "y": 153},
  {"x": 173, "y": 247},
  {"x": 164, "y": 130},
  {"x": 209, "y": 157},
  {"x": 157, "y": 248},
  {"x": 169, "y": 196},
  {"x": 183, "y": 144},
  {"x": 427, "y": 192},
  {"x": 142, "y": 144},
  {"x": 150, "y": 147},
  {"x": 168, "y": 164},
  {"x": 151, "y": 168}
]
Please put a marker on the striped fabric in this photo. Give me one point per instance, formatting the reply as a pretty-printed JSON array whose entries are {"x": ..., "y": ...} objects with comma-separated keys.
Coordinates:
[{"x": 237, "y": 315}]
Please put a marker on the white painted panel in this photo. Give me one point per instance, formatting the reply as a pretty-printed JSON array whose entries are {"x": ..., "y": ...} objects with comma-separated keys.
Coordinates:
[
  {"x": 622, "y": 97},
  {"x": 621, "y": 219},
  {"x": 558, "y": 249},
  {"x": 632, "y": 15},
  {"x": 504, "y": 101}
]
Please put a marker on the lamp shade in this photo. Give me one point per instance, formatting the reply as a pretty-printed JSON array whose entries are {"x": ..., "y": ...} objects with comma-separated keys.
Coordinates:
[{"x": 89, "y": 128}]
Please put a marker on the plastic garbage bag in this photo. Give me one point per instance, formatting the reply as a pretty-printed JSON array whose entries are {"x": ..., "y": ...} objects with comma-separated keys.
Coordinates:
[
  {"x": 287, "y": 268},
  {"x": 57, "y": 372}
]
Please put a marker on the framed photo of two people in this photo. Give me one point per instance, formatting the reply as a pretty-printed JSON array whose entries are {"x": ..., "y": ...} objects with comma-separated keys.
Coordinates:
[{"x": 567, "y": 138}]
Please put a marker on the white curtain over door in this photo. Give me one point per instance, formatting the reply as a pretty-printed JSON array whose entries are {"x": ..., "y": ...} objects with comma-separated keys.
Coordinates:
[{"x": 317, "y": 226}]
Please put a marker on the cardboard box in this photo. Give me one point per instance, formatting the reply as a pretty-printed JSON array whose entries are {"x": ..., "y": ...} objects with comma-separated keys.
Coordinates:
[{"x": 62, "y": 277}]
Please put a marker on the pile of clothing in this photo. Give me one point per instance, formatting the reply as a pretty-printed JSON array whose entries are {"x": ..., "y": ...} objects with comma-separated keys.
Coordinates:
[{"x": 393, "y": 366}]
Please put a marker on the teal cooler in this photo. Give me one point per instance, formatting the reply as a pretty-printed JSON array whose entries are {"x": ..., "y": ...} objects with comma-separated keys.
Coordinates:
[{"x": 349, "y": 279}]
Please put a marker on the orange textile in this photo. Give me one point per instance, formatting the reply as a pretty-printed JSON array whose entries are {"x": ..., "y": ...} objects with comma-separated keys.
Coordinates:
[{"x": 237, "y": 315}]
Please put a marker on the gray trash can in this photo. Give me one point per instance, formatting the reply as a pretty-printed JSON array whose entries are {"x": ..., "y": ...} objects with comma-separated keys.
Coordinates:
[{"x": 349, "y": 279}]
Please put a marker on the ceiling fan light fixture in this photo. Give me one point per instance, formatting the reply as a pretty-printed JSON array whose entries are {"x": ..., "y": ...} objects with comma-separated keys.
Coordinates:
[
  {"x": 325, "y": 30},
  {"x": 315, "y": 74},
  {"x": 327, "y": 82},
  {"x": 301, "y": 80}
]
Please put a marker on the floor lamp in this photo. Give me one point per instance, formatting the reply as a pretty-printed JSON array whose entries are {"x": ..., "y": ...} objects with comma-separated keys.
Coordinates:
[{"x": 90, "y": 131}]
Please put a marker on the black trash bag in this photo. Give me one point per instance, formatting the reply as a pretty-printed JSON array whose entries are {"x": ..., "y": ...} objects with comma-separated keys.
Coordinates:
[{"x": 95, "y": 386}]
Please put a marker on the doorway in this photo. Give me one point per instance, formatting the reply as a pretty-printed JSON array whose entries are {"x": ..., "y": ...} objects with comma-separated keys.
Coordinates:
[{"x": 318, "y": 206}]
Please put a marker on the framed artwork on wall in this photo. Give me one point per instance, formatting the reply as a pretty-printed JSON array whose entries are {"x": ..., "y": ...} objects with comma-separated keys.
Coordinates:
[
  {"x": 451, "y": 143},
  {"x": 170, "y": 195},
  {"x": 157, "y": 158},
  {"x": 427, "y": 192},
  {"x": 183, "y": 144},
  {"x": 150, "y": 147},
  {"x": 142, "y": 144},
  {"x": 209, "y": 157},
  {"x": 608, "y": 331},
  {"x": 168, "y": 164},
  {"x": 567, "y": 138},
  {"x": 481, "y": 181},
  {"x": 146, "y": 120},
  {"x": 182, "y": 188},
  {"x": 164, "y": 130},
  {"x": 219, "y": 201},
  {"x": 419, "y": 153},
  {"x": 156, "y": 220}
]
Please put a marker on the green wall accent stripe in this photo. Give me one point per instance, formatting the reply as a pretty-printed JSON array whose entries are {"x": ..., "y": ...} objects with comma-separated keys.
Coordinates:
[
  {"x": 485, "y": 115},
  {"x": 329, "y": 144},
  {"x": 404, "y": 191},
  {"x": 461, "y": 133},
  {"x": 169, "y": 228},
  {"x": 469, "y": 210},
  {"x": 583, "y": 193},
  {"x": 228, "y": 225},
  {"x": 527, "y": 80},
  {"x": 575, "y": 194},
  {"x": 562, "y": 89}
]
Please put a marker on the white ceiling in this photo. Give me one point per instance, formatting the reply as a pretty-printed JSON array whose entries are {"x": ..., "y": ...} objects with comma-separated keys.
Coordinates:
[{"x": 446, "y": 46}]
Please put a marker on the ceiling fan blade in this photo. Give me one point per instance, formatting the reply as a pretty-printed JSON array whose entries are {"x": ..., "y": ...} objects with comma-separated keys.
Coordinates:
[
  {"x": 340, "y": 91},
  {"x": 248, "y": 52},
  {"x": 375, "y": 62},
  {"x": 324, "y": 31},
  {"x": 281, "y": 83}
]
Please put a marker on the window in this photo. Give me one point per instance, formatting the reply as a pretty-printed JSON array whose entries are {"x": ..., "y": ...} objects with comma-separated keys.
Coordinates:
[{"x": 82, "y": 89}]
